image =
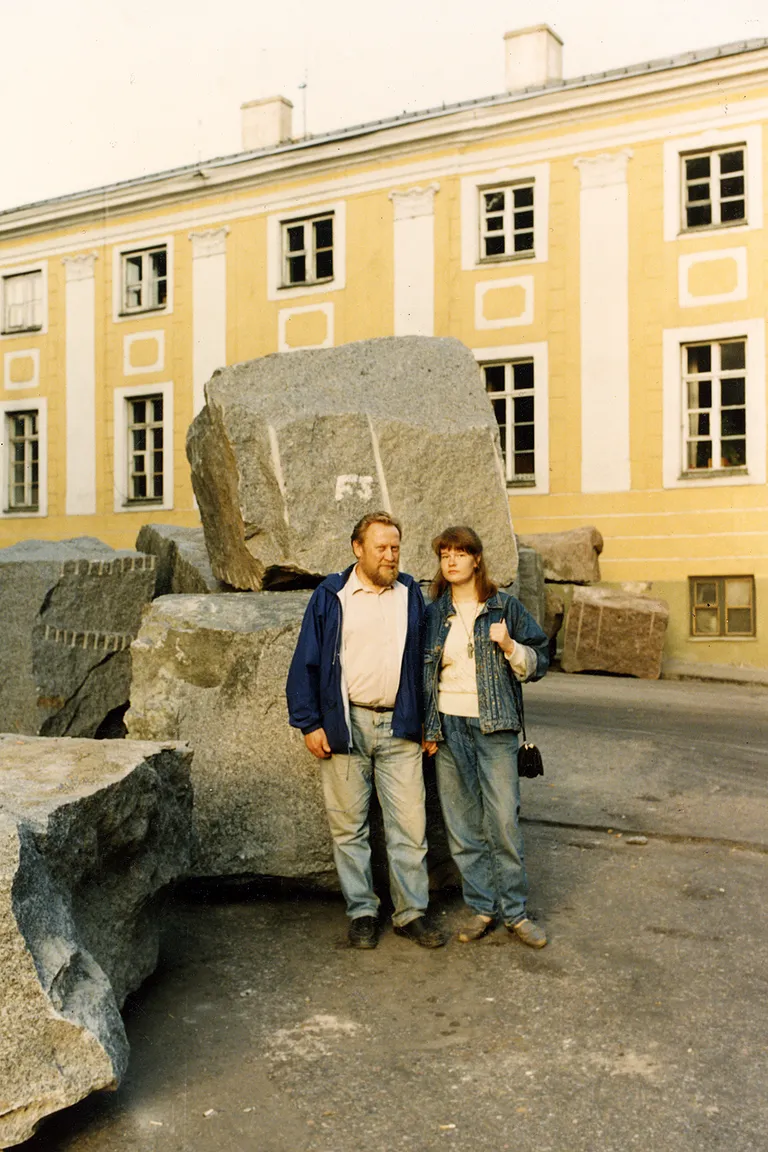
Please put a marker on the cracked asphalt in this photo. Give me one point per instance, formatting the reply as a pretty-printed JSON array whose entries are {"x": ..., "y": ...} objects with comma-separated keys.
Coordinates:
[{"x": 641, "y": 1025}]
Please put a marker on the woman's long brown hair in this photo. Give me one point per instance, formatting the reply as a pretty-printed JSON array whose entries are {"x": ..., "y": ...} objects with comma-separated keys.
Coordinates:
[{"x": 461, "y": 537}]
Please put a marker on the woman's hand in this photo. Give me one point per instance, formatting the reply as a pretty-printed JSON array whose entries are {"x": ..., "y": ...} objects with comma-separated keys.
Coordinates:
[
  {"x": 502, "y": 637},
  {"x": 429, "y": 746}
]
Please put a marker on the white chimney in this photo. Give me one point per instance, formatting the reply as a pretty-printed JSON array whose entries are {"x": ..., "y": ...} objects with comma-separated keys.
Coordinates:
[
  {"x": 534, "y": 57},
  {"x": 266, "y": 123}
]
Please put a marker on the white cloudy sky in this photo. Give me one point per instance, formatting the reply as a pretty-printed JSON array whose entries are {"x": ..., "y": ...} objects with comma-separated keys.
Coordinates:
[{"x": 96, "y": 91}]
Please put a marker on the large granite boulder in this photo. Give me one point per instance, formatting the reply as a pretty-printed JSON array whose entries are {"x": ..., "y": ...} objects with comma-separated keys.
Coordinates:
[
  {"x": 182, "y": 564},
  {"x": 70, "y": 610},
  {"x": 212, "y": 670},
  {"x": 292, "y": 449},
  {"x": 90, "y": 832},
  {"x": 614, "y": 631},
  {"x": 530, "y": 587},
  {"x": 569, "y": 557}
]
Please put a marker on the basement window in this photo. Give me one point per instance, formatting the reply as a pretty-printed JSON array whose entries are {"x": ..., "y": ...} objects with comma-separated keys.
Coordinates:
[{"x": 722, "y": 606}]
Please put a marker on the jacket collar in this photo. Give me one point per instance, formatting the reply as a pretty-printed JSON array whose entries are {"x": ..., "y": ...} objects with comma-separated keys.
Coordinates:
[{"x": 336, "y": 581}]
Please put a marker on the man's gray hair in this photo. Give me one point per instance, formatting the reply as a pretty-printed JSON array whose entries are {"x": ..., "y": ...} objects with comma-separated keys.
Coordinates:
[{"x": 362, "y": 526}]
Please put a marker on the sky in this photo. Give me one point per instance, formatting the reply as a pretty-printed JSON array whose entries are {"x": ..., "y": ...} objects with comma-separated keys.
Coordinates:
[{"x": 97, "y": 91}]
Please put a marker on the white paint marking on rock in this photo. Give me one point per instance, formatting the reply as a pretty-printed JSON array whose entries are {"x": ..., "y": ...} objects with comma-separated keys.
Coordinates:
[{"x": 350, "y": 484}]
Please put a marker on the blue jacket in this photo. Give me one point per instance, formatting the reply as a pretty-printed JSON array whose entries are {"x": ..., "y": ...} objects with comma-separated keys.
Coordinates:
[
  {"x": 498, "y": 691},
  {"x": 314, "y": 690}
]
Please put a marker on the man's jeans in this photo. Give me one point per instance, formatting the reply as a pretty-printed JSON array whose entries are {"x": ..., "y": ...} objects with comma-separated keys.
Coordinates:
[
  {"x": 394, "y": 766},
  {"x": 480, "y": 797}
]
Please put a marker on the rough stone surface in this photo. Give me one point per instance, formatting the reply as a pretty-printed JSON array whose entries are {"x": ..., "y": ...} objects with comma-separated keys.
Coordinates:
[
  {"x": 569, "y": 557},
  {"x": 70, "y": 610},
  {"x": 292, "y": 449},
  {"x": 183, "y": 567},
  {"x": 554, "y": 612},
  {"x": 212, "y": 670},
  {"x": 90, "y": 831},
  {"x": 530, "y": 587},
  {"x": 610, "y": 631}
]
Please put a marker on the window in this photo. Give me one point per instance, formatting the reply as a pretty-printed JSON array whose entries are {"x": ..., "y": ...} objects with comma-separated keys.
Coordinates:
[
  {"x": 714, "y": 405},
  {"x": 714, "y": 188},
  {"x": 145, "y": 449},
  {"x": 511, "y": 391},
  {"x": 23, "y": 302},
  {"x": 307, "y": 251},
  {"x": 22, "y": 438},
  {"x": 722, "y": 606},
  {"x": 506, "y": 222},
  {"x": 144, "y": 280}
]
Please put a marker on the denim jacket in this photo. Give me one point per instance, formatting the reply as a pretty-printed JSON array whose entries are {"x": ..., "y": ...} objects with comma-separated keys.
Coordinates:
[{"x": 498, "y": 692}]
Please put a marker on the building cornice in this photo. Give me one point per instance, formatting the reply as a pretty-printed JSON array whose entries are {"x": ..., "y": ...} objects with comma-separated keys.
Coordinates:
[{"x": 554, "y": 108}]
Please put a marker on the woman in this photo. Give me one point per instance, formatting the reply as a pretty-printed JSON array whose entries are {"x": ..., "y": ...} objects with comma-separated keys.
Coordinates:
[{"x": 480, "y": 642}]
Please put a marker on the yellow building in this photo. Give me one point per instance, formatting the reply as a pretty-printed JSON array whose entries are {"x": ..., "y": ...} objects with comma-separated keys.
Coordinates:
[{"x": 598, "y": 242}]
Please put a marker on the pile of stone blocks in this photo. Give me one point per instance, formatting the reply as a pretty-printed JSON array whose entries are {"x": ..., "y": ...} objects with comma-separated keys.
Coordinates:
[
  {"x": 70, "y": 611},
  {"x": 90, "y": 833},
  {"x": 292, "y": 449}
]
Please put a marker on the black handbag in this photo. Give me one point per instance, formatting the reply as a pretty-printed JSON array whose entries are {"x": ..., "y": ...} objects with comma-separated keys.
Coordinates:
[{"x": 529, "y": 761}]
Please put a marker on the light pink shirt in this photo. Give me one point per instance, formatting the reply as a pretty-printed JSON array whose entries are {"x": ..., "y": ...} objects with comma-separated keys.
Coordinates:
[{"x": 372, "y": 647}]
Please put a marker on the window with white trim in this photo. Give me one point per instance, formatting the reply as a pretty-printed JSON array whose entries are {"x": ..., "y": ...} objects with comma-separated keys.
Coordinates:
[
  {"x": 722, "y": 606},
  {"x": 506, "y": 222},
  {"x": 713, "y": 184},
  {"x": 145, "y": 457},
  {"x": 714, "y": 406},
  {"x": 510, "y": 387},
  {"x": 307, "y": 249},
  {"x": 22, "y": 438},
  {"x": 144, "y": 276},
  {"x": 23, "y": 302}
]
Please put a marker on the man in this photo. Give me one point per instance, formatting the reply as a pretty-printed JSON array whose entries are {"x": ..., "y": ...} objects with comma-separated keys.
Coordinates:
[{"x": 354, "y": 691}]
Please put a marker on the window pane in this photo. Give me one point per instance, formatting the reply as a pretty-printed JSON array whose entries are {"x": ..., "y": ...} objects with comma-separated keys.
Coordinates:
[
  {"x": 523, "y": 409},
  {"x": 523, "y": 220},
  {"x": 161, "y": 292},
  {"x": 733, "y": 186},
  {"x": 139, "y": 414},
  {"x": 698, "y": 424},
  {"x": 324, "y": 264},
  {"x": 494, "y": 201},
  {"x": 494, "y": 377},
  {"x": 700, "y": 454},
  {"x": 699, "y": 393},
  {"x": 732, "y": 210},
  {"x": 157, "y": 408},
  {"x": 296, "y": 238},
  {"x": 738, "y": 593},
  {"x": 698, "y": 192},
  {"x": 732, "y": 161},
  {"x": 734, "y": 453},
  {"x": 494, "y": 246},
  {"x": 297, "y": 269},
  {"x": 732, "y": 355},
  {"x": 733, "y": 422},
  {"x": 706, "y": 622},
  {"x": 523, "y": 241},
  {"x": 524, "y": 465},
  {"x": 738, "y": 621},
  {"x": 698, "y": 217},
  {"x": 696, "y": 167},
  {"x": 705, "y": 593},
  {"x": 157, "y": 487},
  {"x": 699, "y": 357},
  {"x": 159, "y": 262},
  {"x": 494, "y": 224},
  {"x": 133, "y": 270},
  {"x": 523, "y": 437},
  {"x": 523, "y": 374},
  {"x": 323, "y": 233},
  {"x": 523, "y": 198}
]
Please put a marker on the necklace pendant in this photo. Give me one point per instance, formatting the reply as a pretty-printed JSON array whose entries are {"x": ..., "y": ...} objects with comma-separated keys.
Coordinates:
[{"x": 471, "y": 650}]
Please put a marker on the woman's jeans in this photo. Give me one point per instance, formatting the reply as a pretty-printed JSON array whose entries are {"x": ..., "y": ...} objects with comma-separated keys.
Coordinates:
[
  {"x": 480, "y": 797},
  {"x": 393, "y": 766}
]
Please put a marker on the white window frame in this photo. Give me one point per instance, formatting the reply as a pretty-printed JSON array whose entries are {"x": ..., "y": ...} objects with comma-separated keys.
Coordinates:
[
  {"x": 539, "y": 354},
  {"x": 296, "y": 212},
  {"x": 309, "y": 251},
  {"x": 127, "y": 248},
  {"x": 471, "y": 225},
  {"x": 7, "y": 408},
  {"x": 122, "y": 498},
  {"x": 713, "y": 180},
  {"x": 25, "y": 270},
  {"x": 714, "y": 412},
  {"x": 507, "y": 214},
  {"x": 750, "y": 137},
  {"x": 674, "y": 474}
]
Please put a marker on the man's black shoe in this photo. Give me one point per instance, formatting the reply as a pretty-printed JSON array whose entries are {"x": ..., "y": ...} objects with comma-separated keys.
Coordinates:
[
  {"x": 422, "y": 932},
  {"x": 363, "y": 932}
]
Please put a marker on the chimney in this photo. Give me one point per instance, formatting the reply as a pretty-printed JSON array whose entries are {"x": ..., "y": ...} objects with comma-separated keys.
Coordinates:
[
  {"x": 534, "y": 58},
  {"x": 266, "y": 123}
]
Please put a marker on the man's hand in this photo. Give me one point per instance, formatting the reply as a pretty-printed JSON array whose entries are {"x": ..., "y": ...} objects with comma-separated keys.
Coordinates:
[
  {"x": 317, "y": 742},
  {"x": 429, "y": 746},
  {"x": 502, "y": 637}
]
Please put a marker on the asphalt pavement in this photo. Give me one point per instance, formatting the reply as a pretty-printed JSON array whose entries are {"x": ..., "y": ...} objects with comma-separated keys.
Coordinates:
[{"x": 642, "y": 1025}]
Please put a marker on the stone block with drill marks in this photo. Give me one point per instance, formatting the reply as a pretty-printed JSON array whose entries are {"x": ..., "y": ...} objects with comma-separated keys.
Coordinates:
[
  {"x": 608, "y": 631},
  {"x": 292, "y": 449},
  {"x": 571, "y": 557},
  {"x": 90, "y": 833},
  {"x": 70, "y": 611}
]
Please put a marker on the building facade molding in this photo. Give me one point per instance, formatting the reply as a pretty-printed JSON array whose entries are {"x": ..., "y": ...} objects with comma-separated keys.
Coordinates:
[
  {"x": 410, "y": 203},
  {"x": 209, "y": 242}
]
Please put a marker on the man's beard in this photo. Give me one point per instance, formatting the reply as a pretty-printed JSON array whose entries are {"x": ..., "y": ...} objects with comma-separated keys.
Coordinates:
[{"x": 383, "y": 579}]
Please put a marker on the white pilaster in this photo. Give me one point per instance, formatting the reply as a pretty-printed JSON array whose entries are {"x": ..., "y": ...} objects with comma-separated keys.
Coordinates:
[
  {"x": 209, "y": 308},
  {"x": 415, "y": 260},
  {"x": 604, "y": 281},
  {"x": 80, "y": 365}
]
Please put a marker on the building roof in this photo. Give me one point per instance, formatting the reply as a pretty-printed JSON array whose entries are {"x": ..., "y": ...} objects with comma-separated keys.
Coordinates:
[{"x": 662, "y": 64}]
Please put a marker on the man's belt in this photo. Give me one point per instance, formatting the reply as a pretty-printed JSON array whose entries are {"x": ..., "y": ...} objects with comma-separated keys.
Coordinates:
[{"x": 371, "y": 707}]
